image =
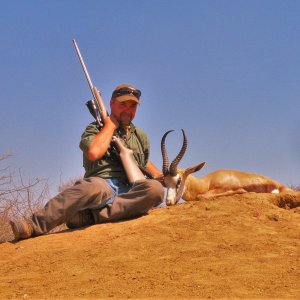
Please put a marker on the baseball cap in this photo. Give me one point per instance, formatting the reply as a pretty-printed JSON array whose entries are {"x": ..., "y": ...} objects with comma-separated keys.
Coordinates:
[{"x": 126, "y": 92}]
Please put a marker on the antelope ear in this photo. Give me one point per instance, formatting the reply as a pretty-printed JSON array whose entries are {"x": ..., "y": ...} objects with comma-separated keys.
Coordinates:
[{"x": 194, "y": 169}]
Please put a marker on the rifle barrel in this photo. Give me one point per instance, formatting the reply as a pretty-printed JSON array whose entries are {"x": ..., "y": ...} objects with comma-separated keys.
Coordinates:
[{"x": 86, "y": 73}]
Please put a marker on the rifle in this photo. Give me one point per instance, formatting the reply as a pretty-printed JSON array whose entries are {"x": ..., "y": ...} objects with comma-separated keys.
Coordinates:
[{"x": 96, "y": 108}]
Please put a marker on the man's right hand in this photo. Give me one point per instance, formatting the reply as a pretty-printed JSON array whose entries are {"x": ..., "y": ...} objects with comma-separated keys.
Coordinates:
[{"x": 110, "y": 119}]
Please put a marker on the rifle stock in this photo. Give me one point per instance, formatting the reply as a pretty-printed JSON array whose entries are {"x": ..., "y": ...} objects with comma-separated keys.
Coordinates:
[
  {"x": 133, "y": 172},
  {"x": 98, "y": 109}
]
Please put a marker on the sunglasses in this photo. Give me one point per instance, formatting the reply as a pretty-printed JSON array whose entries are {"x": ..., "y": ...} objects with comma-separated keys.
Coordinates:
[{"x": 127, "y": 91}]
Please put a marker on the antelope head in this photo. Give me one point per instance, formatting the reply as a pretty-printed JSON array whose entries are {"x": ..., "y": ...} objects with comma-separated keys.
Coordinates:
[{"x": 174, "y": 180}]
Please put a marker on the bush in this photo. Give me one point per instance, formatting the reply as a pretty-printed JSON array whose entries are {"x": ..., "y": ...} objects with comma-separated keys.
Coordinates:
[{"x": 18, "y": 198}]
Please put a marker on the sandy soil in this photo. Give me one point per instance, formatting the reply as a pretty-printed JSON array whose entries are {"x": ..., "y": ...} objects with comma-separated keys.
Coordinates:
[{"x": 240, "y": 246}]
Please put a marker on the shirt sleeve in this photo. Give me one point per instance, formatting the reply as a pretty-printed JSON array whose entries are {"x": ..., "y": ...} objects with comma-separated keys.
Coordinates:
[{"x": 87, "y": 137}]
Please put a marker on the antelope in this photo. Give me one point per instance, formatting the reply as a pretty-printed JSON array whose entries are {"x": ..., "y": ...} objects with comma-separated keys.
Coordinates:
[{"x": 180, "y": 184}]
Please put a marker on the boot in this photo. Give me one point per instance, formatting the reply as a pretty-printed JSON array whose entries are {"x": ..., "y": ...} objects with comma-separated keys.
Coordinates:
[
  {"x": 21, "y": 229},
  {"x": 81, "y": 219}
]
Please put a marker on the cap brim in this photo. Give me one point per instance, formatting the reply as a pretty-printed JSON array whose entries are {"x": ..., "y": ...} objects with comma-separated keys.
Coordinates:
[{"x": 128, "y": 97}]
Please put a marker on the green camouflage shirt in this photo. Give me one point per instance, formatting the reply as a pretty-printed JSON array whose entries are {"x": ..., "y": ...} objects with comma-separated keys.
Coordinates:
[{"x": 110, "y": 166}]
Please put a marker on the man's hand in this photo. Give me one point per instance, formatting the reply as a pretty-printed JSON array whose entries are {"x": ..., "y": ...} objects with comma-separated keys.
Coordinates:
[
  {"x": 110, "y": 119},
  {"x": 161, "y": 179},
  {"x": 155, "y": 172}
]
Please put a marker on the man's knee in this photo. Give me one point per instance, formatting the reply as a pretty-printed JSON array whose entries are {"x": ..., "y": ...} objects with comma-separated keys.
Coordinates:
[
  {"x": 156, "y": 187},
  {"x": 155, "y": 191},
  {"x": 92, "y": 187}
]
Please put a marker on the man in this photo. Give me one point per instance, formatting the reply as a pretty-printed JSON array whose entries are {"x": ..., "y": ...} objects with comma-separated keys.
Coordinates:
[{"x": 104, "y": 194}]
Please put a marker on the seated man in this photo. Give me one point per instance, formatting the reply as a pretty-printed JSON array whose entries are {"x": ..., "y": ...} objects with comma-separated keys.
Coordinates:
[{"x": 104, "y": 194}]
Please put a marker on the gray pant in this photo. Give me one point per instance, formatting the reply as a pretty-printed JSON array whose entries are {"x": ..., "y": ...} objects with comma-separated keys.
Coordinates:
[{"x": 92, "y": 193}]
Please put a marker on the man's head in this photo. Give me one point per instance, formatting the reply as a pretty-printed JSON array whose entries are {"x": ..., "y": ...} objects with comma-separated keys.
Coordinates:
[{"x": 124, "y": 101}]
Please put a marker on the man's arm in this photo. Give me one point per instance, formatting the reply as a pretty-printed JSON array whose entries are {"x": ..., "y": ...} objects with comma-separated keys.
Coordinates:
[
  {"x": 102, "y": 139},
  {"x": 155, "y": 172}
]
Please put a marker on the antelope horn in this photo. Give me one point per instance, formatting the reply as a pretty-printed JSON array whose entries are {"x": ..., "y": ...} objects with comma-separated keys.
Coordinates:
[
  {"x": 175, "y": 162},
  {"x": 165, "y": 167}
]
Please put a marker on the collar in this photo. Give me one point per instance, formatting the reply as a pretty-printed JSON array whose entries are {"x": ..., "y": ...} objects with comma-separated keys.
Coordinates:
[{"x": 130, "y": 128}]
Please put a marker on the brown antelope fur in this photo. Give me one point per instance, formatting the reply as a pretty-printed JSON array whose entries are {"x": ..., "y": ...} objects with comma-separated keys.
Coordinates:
[{"x": 228, "y": 182}]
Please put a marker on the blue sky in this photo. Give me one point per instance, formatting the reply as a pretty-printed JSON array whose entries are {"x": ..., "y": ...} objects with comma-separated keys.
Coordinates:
[{"x": 226, "y": 71}]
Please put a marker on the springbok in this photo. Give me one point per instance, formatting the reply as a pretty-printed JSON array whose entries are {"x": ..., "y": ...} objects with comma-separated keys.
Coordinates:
[{"x": 180, "y": 184}]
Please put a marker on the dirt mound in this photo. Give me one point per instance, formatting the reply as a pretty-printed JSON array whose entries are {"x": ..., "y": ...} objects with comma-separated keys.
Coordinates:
[{"x": 231, "y": 247}]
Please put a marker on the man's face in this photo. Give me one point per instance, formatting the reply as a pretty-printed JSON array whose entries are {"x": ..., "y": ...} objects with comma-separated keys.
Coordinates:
[{"x": 124, "y": 112}]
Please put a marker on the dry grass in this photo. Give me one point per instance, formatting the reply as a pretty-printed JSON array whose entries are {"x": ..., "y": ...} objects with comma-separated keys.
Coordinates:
[{"x": 19, "y": 198}]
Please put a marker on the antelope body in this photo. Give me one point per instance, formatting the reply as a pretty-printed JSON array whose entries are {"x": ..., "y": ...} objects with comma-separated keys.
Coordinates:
[
  {"x": 229, "y": 182},
  {"x": 181, "y": 184}
]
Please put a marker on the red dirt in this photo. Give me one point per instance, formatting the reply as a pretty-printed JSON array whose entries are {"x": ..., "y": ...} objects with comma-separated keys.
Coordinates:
[{"x": 232, "y": 247}]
